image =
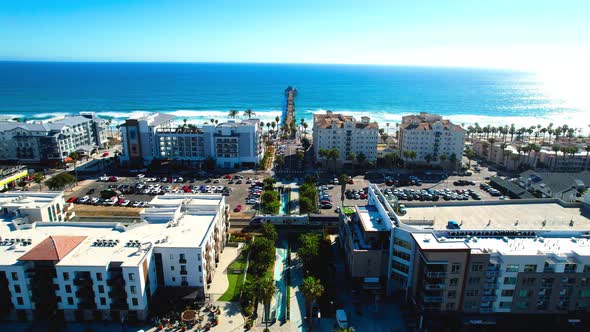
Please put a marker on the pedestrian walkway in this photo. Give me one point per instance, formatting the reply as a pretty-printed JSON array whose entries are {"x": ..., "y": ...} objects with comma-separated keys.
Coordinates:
[
  {"x": 297, "y": 300},
  {"x": 220, "y": 282}
]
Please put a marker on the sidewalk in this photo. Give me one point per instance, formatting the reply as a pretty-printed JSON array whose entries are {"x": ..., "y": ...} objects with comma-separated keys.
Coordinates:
[{"x": 297, "y": 301}]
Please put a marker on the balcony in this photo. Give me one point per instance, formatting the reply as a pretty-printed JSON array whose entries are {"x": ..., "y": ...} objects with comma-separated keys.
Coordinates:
[
  {"x": 117, "y": 281},
  {"x": 117, "y": 295},
  {"x": 83, "y": 281},
  {"x": 182, "y": 261},
  {"x": 85, "y": 292},
  {"x": 184, "y": 272},
  {"x": 492, "y": 274},
  {"x": 436, "y": 274},
  {"x": 433, "y": 299},
  {"x": 435, "y": 286},
  {"x": 184, "y": 284},
  {"x": 489, "y": 298}
]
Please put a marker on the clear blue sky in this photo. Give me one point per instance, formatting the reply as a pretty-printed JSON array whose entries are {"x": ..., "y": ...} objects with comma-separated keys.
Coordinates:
[{"x": 515, "y": 33}]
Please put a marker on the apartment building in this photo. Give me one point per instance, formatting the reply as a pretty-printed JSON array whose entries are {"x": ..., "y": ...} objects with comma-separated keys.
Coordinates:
[
  {"x": 52, "y": 140},
  {"x": 109, "y": 271},
  {"x": 232, "y": 144},
  {"x": 140, "y": 144},
  {"x": 501, "y": 266},
  {"x": 430, "y": 136},
  {"x": 19, "y": 208},
  {"x": 346, "y": 134},
  {"x": 566, "y": 186}
]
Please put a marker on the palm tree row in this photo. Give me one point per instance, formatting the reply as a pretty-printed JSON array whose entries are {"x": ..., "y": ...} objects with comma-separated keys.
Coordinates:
[{"x": 532, "y": 133}]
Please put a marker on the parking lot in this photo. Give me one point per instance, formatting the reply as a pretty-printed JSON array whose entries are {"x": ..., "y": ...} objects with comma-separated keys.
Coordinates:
[{"x": 139, "y": 190}]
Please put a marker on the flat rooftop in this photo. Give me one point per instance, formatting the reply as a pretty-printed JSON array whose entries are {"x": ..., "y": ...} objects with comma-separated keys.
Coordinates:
[
  {"x": 371, "y": 219},
  {"x": 508, "y": 216}
]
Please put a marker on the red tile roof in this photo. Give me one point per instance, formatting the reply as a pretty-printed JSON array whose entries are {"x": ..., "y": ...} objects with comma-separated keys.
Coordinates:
[{"x": 53, "y": 248}]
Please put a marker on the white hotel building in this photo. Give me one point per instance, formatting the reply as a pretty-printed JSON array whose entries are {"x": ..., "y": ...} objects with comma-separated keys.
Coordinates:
[
  {"x": 232, "y": 144},
  {"x": 346, "y": 134},
  {"x": 108, "y": 271},
  {"x": 430, "y": 135}
]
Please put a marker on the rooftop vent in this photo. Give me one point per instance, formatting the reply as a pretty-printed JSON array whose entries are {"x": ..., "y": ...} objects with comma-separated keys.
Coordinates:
[{"x": 505, "y": 239}]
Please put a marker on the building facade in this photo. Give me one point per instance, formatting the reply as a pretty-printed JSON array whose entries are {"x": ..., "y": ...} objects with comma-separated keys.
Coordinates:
[
  {"x": 232, "y": 144},
  {"x": 345, "y": 134},
  {"x": 494, "y": 271},
  {"x": 50, "y": 141},
  {"x": 108, "y": 271},
  {"x": 430, "y": 136}
]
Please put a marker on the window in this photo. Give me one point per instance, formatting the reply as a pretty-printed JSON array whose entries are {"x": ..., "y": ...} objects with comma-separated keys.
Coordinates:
[
  {"x": 200, "y": 268},
  {"x": 530, "y": 268},
  {"x": 524, "y": 293},
  {"x": 134, "y": 301},
  {"x": 201, "y": 280},
  {"x": 450, "y": 306},
  {"x": 522, "y": 305},
  {"x": 68, "y": 288},
  {"x": 512, "y": 268},
  {"x": 172, "y": 267},
  {"x": 100, "y": 288},
  {"x": 182, "y": 256},
  {"x": 505, "y": 305},
  {"x": 131, "y": 276},
  {"x": 199, "y": 257},
  {"x": 585, "y": 293},
  {"x": 19, "y": 301},
  {"x": 66, "y": 276},
  {"x": 586, "y": 268},
  {"x": 14, "y": 276},
  {"x": 453, "y": 281},
  {"x": 507, "y": 292},
  {"x": 528, "y": 281},
  {"x": 103, "y": 301},
  {"x": 399, "y": 266},
  {"x": 472, "y": 292},
  {"x": 474, "y": 280},
  {"x": 70, "y": 300},
  {"x": 452, "y": 294},
  {"x": 455, "y": 268},
  {"x": 171, "y": 256},
  {"x": 476, "y": 267},
  {"x": 98, "y": 276},
  {"x": 16, "y": 288},
  {"x": 509, "y": 281},
  {"x": 402, "y": 243},
  {"x": 133, "y": 289}
]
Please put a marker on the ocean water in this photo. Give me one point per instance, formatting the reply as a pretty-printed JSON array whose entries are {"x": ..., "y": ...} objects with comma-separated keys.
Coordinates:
[{"x": 201, "y": 91}]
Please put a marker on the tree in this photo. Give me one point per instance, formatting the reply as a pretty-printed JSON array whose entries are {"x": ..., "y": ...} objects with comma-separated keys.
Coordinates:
[
  {"x": 309, "y": 250},
  {"x": 453, "y": 160},
  {"x": 312, "y": 289},
  {"x": 210, "y": 164},
  {"x": 300, "y": 155},
  {"x": 280, "y": 160},
  {"x": 305, "y": 143},
  {"x": 74, "y": 155},
  {"x": 270, "y": 232},
  {"x": 233, "y": 114},
  {"x": 60, "y": 181},
  {"x": 277, "y": 119},
  {"x": 343, "y": 181},
  {"x": 38, "y": 178},
  {"x": 270, "y": 202},
  {"x": 390, "y": 158},
  {"x": 212, "y": 121},
  {"x": 443, "y": 157},
  {"x": 351, "y": 156},
  {"x": 268, "y": 183},
  {"x": 262, "y": 253},
  {"x": 305, "y": 125},
  {"x": 470, "y": 154},
  {"x": 361, "y": 158},
  {"x": 249, "y": 113},
  {"x": 264, "y": 289}
]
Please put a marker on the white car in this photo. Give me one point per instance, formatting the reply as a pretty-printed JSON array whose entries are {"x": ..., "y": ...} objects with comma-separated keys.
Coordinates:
[
  {"x": 137, "y": 204},
  {"x": 141, "y": 176},
  {"x": 103, "y": 178},
  {"x": 125, "y": 203}
]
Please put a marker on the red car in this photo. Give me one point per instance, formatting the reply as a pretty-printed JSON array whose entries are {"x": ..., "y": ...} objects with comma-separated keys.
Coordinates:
[
  {"x": 106, "y": 154},
  {"x": 363, "y": 196},
  {"x": 228, "y": 177},
  {"x": 120, "y": 201},
  {"x": 238, "y": 208},
  {"x": 72, "y": 200},
  {"x": 350, "y": 181}
]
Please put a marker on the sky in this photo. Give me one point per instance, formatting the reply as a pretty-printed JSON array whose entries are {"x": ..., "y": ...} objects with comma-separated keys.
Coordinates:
[{"x": 519, "y": 34}]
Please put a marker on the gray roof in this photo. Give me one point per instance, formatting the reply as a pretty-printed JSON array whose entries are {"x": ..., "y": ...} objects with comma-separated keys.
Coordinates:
[
  {"x": 55, "y": 125},
  {"x": 162, "y": 118},
  {"x": 557, "y": 182}
]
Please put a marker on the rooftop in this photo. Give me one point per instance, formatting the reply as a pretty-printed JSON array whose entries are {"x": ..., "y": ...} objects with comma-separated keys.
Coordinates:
[
  {"x": 326, "y": 120},
  {"x": 425, "y": 121},
  {"x": 509, "y": 215},
  {"x": 371, "y": 219},
  {"x": 28, "y": 199}
]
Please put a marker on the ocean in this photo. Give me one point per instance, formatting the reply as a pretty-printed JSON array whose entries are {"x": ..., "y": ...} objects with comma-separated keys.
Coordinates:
[{"x": 201, "y": 91}]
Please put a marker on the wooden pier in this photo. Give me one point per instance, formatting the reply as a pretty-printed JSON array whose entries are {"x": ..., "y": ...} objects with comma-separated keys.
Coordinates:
[{"x": 289, "y": 111}]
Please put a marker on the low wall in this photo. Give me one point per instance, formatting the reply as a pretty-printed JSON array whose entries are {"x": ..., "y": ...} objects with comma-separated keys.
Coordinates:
[{"x": 497, "y": 202}]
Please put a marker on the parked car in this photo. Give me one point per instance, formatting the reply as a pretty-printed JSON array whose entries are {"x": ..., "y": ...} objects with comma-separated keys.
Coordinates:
[
  {"x": 106, "y": 154},
  {"x": 71, "y": 200},
  {"x": 238, "y": 208}
]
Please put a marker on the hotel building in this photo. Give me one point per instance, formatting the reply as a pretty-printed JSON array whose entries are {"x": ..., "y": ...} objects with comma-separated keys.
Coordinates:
[
  {"x": 430, "y": 136},
  {"x": 232, "y": 144},
  {"x": 51, "y": 140},
  {"x": 108, "y": 271},
  {"x": 346, "y": 134},
  {"x": 500, "y": 267}
]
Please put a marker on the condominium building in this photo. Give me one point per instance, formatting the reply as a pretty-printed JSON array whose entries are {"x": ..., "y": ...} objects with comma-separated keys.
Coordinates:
[
  {"x": 345, "y": 134},
  {"x": 430, "y": 136},
  {"x": 499, "y": 266},
  {"x": 52, "y": 140},
  {"x": 109, "y": 271},
  {"x": 20, "y": 208},
  {"x": 232, "y": 144}
]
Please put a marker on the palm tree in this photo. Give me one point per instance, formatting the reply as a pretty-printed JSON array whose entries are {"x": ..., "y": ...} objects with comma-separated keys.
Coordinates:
[
  {"x": 74, "y": 155},
  {"x": 184, "y": 125},
  {"x": 312, "y": 289},
  {"x": 305, "y": 125},
  {"x": 268, "y": 130},
  {"x": 470, "y": 154},
  {"x": 264, "y": 289},
  {"x": 443, "y": 157},
  {"x": 453, "y": 160},
  {"x": 212, "y": 121},
  {"x": 273, "y": 125},
  {"x": 277, "y": 119},
  {"x": 233, "y": 113},
  {"x": 361, "y": 158},
  {"x": 249, "y": 113}
]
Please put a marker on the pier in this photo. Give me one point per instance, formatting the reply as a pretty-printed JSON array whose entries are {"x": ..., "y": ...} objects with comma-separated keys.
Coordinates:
[{"x": 289, "y": 111}]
